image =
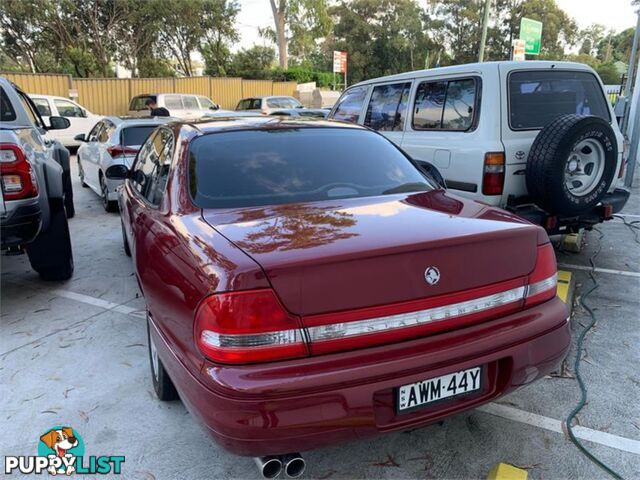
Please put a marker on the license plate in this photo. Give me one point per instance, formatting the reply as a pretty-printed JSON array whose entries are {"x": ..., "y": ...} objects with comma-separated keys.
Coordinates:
[{"x": 452, "y": 385}]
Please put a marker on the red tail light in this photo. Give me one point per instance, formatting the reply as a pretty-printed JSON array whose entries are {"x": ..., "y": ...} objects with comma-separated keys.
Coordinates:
[
  {"x": 252, "y": 326},
  {"x": 121, "y": 150},
  {"x": 247, "y": 327},
  {"x": 493, "y": 173},
  {"x": 542, "y": 282},
  {"x": 18, "y": 179}
]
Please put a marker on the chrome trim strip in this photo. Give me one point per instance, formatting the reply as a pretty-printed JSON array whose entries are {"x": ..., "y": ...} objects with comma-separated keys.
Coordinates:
[{"x": 411, "y": 319}]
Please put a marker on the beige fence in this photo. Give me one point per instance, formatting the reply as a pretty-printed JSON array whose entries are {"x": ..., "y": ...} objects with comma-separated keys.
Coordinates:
[{"x": 111, "y": 96}]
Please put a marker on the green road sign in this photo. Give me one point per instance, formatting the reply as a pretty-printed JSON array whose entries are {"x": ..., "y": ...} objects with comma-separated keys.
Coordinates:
[{"x": 531, "y": 33}]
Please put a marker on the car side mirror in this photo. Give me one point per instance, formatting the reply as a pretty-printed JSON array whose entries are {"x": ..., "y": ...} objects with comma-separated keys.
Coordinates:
[
  {"x": 83, "y": 113},
  {"x": 58, "y": 123},
  {"x": 432, "y": 173},
  {"x": 215, "y": 107},
  {"x": 80, "y": 138},
  {"x": 117, "y": 172}
]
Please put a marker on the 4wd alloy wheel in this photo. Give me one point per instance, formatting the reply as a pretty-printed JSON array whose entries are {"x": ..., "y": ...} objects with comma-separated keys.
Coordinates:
[{"x": 571, "y": 164}]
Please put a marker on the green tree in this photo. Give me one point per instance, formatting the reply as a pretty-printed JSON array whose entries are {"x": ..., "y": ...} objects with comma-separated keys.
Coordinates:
[
  {"x": 616, "y": 46},
  {"x": 381, "y": 37},
  {"x": 255, "y": 62},
  {"x": 22, "y": 38},
  {"x": 459, "y": 22},
  {"x": 298, "y": 24},
  {"x": 218, "y": 32},
  {"x": 591, "y": 36},
  {"x": 558, "y": 28}
]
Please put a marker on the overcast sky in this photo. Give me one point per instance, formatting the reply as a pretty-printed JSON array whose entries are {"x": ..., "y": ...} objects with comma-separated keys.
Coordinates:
[{"x": 613, "y": 14}]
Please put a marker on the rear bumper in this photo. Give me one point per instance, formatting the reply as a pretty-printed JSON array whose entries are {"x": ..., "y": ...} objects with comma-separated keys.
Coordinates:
[
  {"x": 611, "y": 203},
  {"x": 304, "y": 404},
  {"x": 21, "y": 225}
]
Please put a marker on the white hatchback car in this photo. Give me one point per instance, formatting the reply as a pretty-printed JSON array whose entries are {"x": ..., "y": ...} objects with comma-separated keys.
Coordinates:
[
  {"x": 113, "y": 141},
  {"x": 179, "y": 105},
  {"x": 267, "y": 105},
  {"x": 538, "y": 137},
  {"x": 81, "y": 119}
]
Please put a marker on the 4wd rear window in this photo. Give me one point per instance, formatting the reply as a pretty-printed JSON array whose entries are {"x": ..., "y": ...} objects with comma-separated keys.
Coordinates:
[
  {"x": 7, "y": 113},
  {"x": 290, "y": 165},
  {"x": 536, "y": 97}
]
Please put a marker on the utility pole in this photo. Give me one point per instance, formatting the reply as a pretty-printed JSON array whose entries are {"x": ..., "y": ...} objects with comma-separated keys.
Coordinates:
[
  {"x": 485, "y": 23},
  {"x": 626, "y": 93}
]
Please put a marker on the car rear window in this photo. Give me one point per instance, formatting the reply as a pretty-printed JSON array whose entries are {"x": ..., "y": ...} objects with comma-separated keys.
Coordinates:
[
  {"x": 136, "y": 135},
  {"x": 291, "y": 165},
  {"x": 7, "y": 113},
  {"x": 283, "y": 102},
  {"x": 536, "y": 97}
]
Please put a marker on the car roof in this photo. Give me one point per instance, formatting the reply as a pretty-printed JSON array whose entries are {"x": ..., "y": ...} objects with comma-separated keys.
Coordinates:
[
  {"x": 467, "y": 68},
  {"x": 50, "y": 97},
  {"x": 262, "y": 122},
  {"x": 125, "y": 121}
]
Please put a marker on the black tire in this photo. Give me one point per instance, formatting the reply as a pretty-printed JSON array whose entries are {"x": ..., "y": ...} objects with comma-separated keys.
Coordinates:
[
  {"x": 62, "y": 156},
  {"x": 81, "y": 175},
  {"x": 110, "y": 206},
  {"x": 162, "y": 384},
  {"x": 50, "y": 253},
  {"x": 68, "y": 195},
  {"x": 125, "y": 242},
  {"x": 552, "y": 157}
]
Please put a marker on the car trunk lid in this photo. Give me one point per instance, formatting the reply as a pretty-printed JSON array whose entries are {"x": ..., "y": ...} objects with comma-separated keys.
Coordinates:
[{"x": 346, "y": 255}]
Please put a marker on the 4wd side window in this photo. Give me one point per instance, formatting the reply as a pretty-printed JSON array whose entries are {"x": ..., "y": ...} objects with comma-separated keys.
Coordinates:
[
  {"x": 350, "y": 104},
  {"x": 388, "y": 107},
  {"x": 445, "y": 105}
]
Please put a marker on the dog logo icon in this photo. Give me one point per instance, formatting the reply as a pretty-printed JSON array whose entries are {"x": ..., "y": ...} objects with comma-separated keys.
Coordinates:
[
  {"x": 432, "y": 275},
  {"x": 64, "y": 444}
]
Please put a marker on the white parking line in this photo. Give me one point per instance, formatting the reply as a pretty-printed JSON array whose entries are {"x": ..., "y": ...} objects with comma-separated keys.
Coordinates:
[
  {"x": 553, "y": 425},
  {"x": 98, "y": 302},
  {"x": 625, "y": 273}
]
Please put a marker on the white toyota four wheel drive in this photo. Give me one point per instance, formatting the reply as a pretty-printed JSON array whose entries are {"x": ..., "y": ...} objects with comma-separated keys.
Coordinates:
[{"x": 538, "y": 138}]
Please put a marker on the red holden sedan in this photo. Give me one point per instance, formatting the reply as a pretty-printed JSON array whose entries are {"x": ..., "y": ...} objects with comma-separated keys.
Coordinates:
[{"x": 307, "y": 283}]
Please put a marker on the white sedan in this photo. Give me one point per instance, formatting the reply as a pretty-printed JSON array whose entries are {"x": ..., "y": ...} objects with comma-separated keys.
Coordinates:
[
  {"x": 81, "y": 119},
  {"x": 112, "y": 141}
]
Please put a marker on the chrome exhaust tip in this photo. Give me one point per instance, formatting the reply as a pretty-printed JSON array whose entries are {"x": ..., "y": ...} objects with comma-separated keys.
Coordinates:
[
  {"x": 294, "y": 465},
  {"x": 270, "y": 467}
]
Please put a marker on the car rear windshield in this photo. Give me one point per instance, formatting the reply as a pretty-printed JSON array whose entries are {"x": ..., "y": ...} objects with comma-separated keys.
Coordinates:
[
  {"x": 136, "y": 135},
  {"x": 283, "y": 102},
  {"x": 536, "y": 97},
  {"x": 291, "y": 165}
]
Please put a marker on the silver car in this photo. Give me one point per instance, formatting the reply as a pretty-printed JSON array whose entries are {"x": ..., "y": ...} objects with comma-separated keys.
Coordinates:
[{"x": 112, "y": 141}]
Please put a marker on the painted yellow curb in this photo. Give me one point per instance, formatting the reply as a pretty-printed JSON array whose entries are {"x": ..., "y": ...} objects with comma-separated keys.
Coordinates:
[
  {"x": 565, "y": 286},
  {"x": 504, "y": 471}
]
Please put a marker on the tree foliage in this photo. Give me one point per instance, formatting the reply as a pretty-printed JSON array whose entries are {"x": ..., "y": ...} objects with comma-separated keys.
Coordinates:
[{"x": 87, "y": 38}]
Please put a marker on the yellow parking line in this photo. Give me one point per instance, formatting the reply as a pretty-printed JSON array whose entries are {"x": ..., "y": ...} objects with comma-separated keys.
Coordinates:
[{"x": 504, "y": 471}]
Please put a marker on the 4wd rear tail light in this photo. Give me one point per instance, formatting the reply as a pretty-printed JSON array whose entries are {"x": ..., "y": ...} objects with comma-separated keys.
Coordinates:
[
  {"x": 121, "y": 150},
  {"x": 18, "y": 179},
  {"x": 248, "y": 326},
  {"x": 543, "y": 280},
  {"x": 493, "y": 173}
]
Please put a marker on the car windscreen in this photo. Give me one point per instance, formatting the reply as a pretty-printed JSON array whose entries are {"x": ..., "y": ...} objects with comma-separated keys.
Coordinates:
[
  {"x": 282, "y": 102},
  {"x": 290, "y": 165},
  {"x": 536, "y": 97},
  {"x": 139, "y": 103},
  {"x": 136, "y": 135}
]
